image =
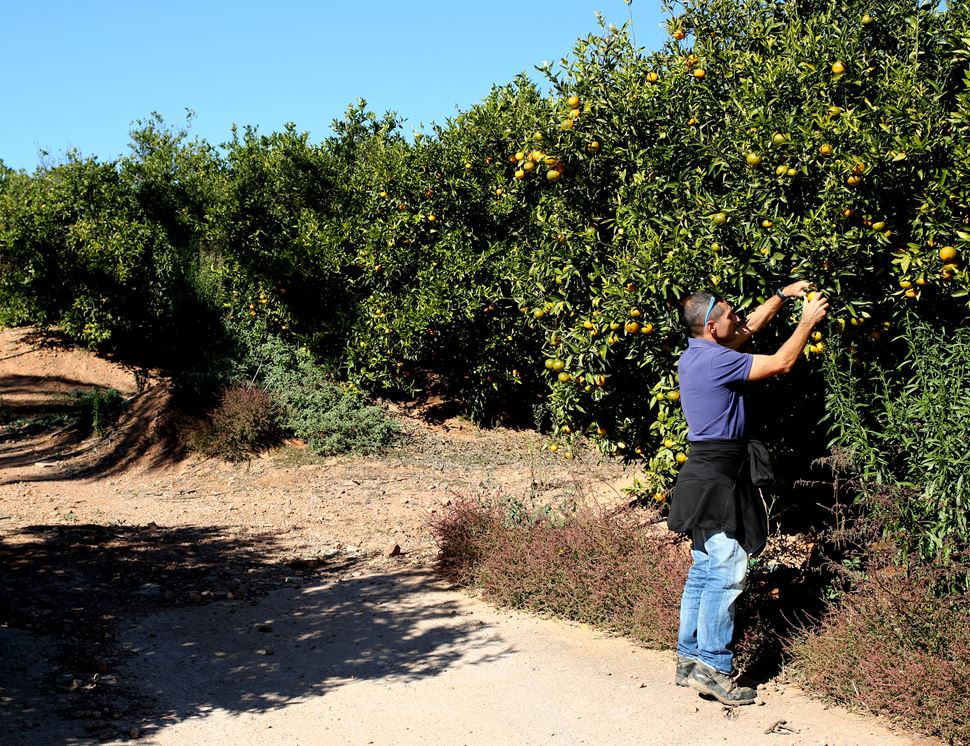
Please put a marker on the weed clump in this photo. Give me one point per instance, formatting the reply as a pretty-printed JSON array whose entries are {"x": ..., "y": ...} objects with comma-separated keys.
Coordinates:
[
  {"x": 891, "y": 645},
  {"x": 98, "y": 409},
  {"x": 620, "y": 570},
  {"x": 245, "y": 421}
]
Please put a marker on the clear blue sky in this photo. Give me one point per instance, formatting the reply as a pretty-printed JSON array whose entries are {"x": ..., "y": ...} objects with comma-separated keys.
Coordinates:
[{"x": 77, "y": 74}]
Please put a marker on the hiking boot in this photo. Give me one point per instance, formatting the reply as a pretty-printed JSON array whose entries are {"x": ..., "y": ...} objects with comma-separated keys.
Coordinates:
[
  {"x": 684, "y": 667},
  {"x": 719, "y": 685}
]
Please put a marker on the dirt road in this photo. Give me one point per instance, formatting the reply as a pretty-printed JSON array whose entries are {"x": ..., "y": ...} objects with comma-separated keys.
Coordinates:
[{"x": 152, "y": 596}]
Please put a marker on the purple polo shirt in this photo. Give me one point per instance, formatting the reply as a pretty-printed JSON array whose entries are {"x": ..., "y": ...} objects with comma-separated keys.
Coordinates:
[{"x": 712, "y": 379}]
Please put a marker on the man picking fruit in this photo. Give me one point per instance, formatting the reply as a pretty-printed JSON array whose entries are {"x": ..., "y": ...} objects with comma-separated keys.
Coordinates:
[{"x": 715, "y": 499}]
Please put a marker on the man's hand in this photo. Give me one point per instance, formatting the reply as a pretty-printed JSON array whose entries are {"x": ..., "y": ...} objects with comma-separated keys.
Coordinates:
[
  {"x": 797, "y": 289},
  {"x": 766, "y": 366},
  {"x": 814, "y": 310}
]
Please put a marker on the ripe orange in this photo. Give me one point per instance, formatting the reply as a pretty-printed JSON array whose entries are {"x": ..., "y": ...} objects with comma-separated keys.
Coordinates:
[
  {"x": 947, "y": 254},
  {"x": 699, "y": 73},
  {"x": 528, "y": 166},
  {"x": 519, "y": 155},
  {"x": 652, "y": 77},
  {"x": 593, "y": 147},
  {"x": 635, "y": 313},
  {"x": 631, "y": 327},
  {"x": 859, "y": 168},
  {"x": 646, "y": 328},
  {"x": 853, "y": 180},
  {"x": 848, "y": 212},
  {"x": 566, "y": 124},
  {"x": 910, "y": 293},
  {"x": 669, "y": 444},
  {"x": 673, "y": 395},
  {"x": 905, "y": 284},
  {"x": 553, "y": 175},
  {"x": 825, "y": 149},
  {"x": 573, "y": 101},
  {"x": 879, "y": 225},
  {"x": 838, "y": 67},
  {"x": 574, "y": 113},
  {"x": 681, "y": 457},
  {"x": 766, "y": 223},
  {"x": 781, "y": 170},
  {"x": 520, "y": 174},
  {"x": 680, "y": 34}
]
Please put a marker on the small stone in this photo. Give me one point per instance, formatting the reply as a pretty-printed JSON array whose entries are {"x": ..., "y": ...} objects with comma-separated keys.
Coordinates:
[
  {"x": 264, "y": 627},
  {"x": 264, "y": 651},
  {"x": 149, "y": 590},
  {"x": 392, "y": 550},
  {"x": 134, "y": 732}
]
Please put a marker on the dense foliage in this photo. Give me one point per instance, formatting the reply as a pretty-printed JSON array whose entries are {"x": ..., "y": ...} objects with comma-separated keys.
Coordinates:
[{"x": 527, "y": 258}]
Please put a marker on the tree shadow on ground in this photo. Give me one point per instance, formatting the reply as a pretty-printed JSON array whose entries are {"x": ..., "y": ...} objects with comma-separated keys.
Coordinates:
[{"x": 140, "y": 627}]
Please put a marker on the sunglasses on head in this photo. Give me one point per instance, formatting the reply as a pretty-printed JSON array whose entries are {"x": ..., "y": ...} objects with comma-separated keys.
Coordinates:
[{"x": 710, "y": 307}]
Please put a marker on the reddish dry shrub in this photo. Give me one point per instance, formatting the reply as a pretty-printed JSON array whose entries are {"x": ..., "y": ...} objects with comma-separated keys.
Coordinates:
[
  {"x": 619, "y": 570},
  {"x": 892, "y": 646},
  {"x": 245, "y": 422}
]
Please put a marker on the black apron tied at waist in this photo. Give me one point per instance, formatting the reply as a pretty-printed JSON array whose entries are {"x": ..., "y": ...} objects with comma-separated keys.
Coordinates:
[{"x": 715, "y": 491}]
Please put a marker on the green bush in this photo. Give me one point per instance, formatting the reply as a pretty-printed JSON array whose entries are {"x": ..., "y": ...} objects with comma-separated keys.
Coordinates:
[
  {"x": 330, "y": 417},
  {"x": 98, "y": 409},
  {"x": 903, "y": 436}
]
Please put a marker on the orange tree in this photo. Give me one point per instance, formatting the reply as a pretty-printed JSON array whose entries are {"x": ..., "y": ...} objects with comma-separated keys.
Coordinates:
[
  {"x": 110, "y": 251},
  {"x": 769, "y": 142}
]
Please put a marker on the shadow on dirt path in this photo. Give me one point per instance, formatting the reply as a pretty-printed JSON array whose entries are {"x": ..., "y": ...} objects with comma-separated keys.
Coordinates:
[
  {"x": 115, "y": 631},
  {"x": 69, "y": 587},
  {"x": 300, "y": 644}
]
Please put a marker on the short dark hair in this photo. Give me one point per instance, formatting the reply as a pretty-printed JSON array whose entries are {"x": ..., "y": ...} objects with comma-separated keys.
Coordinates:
[{"x": 695, "y": 308}]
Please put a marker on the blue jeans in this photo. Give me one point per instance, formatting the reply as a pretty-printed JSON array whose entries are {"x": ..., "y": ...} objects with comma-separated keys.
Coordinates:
[{"x": 714, "y": 583}]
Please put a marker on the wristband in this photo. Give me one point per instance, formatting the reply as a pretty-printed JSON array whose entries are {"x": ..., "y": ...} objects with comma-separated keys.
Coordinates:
[{"x": 780, "y": 292}]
